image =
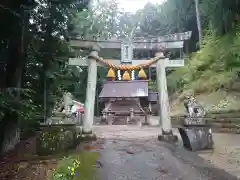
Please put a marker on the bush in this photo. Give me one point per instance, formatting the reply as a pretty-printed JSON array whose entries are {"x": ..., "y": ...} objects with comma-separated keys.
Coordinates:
[
  {"x": 78, "y": 167},
  {"x": 66, "y": 169}
]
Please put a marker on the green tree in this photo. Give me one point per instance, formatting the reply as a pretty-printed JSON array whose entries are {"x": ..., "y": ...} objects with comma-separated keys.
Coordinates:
[{"x": 33, "y": 42}]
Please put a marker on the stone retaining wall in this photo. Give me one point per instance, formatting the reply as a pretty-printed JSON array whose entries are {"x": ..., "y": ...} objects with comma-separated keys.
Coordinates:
[
  {"x": 56, "y": 138},
  {"x": 226, "y": 122}
]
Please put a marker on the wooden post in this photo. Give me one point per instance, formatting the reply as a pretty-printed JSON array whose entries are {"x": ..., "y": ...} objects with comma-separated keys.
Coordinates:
[
  {"x": 91, "y": 90},
  {"x": 167, "y": 134},
  {"x": 150, "y": 106},
  {"x": 149, "y": 73}
]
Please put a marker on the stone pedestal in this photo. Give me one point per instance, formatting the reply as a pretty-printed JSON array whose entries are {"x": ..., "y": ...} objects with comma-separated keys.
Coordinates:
[
  {"x": 168, "y": 137},
  {"x": 88, "y": 136},
  {"x": 197, "y": 137}
]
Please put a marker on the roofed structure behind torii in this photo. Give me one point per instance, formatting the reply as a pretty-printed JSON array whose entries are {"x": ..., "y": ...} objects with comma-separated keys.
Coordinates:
[{"x": 124, "y": 89}]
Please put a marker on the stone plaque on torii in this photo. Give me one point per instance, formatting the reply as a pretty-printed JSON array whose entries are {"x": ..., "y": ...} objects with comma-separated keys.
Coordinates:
[{"x": 173, "y": 41}]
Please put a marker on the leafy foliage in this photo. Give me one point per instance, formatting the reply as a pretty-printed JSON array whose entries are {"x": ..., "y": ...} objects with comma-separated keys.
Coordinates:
[
  {"x": 208, "y": 71},
  {"x": 34, "y": 55},
  {"x": 216, "y": 65},
  {"x": 76, "y": 167}
]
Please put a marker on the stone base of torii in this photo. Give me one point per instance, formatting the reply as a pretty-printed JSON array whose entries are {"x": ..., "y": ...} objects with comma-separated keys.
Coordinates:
[{"x": 167, "y": 133}]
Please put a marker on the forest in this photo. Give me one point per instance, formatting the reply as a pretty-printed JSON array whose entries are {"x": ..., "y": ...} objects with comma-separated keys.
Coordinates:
[{"x": 34, "y": 49}]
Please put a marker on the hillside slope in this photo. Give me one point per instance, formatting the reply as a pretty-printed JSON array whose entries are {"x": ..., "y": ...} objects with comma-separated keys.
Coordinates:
[
  {"x": 215, "y": 101},
  {"x": 212, "y": 75}
]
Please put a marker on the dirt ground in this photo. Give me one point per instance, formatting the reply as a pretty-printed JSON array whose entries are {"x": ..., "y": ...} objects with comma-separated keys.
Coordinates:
[
  {"x": 133, "y": 152},
  {"x": 226, "y": 154},
  {"x": 128, "y": 148},
  {"x": 39, "y": 170}
]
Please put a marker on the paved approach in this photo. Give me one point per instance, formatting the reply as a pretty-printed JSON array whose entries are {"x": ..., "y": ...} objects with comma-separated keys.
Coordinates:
[{"x": 134, "y": 153}]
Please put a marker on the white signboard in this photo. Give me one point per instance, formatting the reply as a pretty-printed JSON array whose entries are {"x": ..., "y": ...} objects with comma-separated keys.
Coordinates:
[{"x": 126, "y": 52}]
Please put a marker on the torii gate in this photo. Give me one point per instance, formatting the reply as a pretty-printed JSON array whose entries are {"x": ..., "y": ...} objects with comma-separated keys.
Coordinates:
[{"x": 173, "y": 41}]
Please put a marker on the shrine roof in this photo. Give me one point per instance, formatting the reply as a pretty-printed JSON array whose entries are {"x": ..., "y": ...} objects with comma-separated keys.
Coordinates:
[{"x": 115, "y": 89}]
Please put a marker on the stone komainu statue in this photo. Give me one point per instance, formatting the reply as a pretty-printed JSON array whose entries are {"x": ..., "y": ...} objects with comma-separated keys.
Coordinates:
[
  {"x": 68, "y": 102},
  {"x": 195, "y": 133},
  {"x": 194, "y": 111}
]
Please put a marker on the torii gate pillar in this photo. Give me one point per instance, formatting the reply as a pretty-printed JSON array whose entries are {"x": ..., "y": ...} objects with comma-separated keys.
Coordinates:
[
  {"x": 91, "y": 90},
  {"x": 167, "y": 134}
]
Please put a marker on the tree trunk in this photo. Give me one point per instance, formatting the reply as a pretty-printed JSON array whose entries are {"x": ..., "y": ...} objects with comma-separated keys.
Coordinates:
[{"x": 198, "y": 21}]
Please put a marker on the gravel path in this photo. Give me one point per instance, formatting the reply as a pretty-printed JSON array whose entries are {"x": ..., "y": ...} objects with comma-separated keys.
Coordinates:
[
  {"x": 134, "y": 153},
  {"x": 226, "y": 154}
]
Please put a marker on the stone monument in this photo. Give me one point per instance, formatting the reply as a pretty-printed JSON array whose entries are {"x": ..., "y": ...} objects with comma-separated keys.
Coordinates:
[
  {"x": 63, "y": 114},
  {"x": 195, "y": 132}
]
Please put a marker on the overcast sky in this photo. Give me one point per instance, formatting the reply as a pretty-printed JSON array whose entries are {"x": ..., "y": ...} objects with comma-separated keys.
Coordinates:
[{"x": 134, "y": 5}]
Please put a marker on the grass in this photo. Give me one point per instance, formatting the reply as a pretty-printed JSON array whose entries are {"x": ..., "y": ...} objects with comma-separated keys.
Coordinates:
[
  {"x": 87, "y": 168},
  {"x": 76, "y": 167}
]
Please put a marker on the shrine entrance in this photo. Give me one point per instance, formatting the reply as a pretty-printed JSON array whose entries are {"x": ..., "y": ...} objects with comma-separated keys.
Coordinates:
[{"x": 124, "y": 88}]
